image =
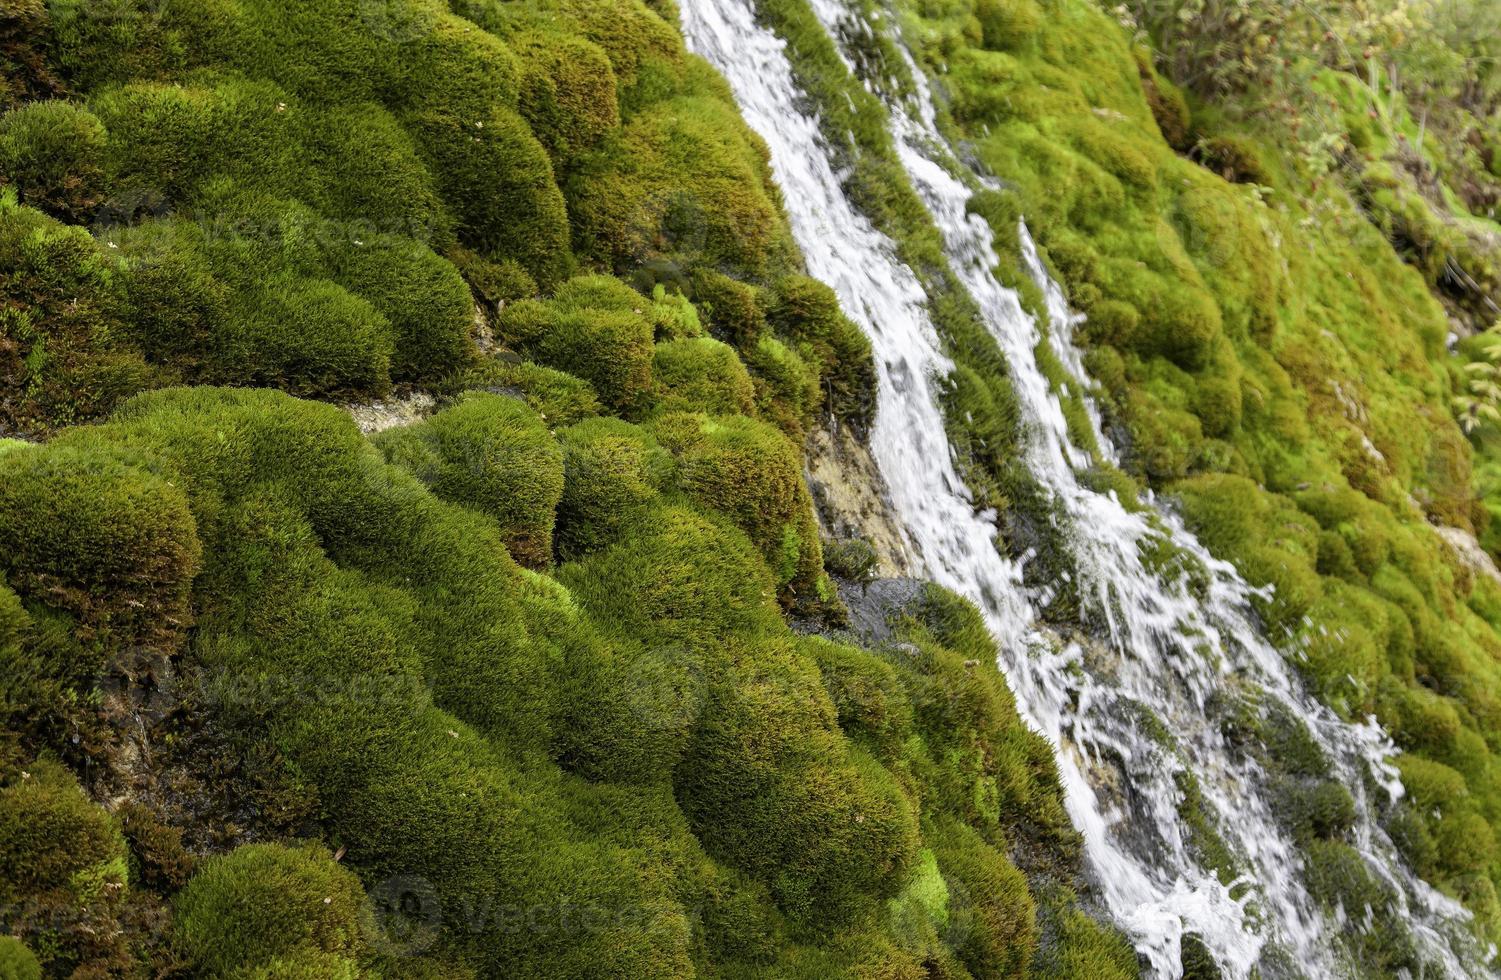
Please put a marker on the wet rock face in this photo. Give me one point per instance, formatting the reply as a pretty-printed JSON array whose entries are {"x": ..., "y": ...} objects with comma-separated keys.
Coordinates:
[
  {"x": 850, "y": 497},
  {"x": 388, "y": 413},
  {"x": 873, "y": 607}
]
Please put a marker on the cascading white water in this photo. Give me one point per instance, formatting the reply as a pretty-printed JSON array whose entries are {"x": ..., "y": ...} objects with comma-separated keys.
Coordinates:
[{"x": 1171, "y": 650}]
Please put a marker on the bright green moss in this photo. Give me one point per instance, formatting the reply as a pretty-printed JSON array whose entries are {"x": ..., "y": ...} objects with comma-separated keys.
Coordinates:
[
  {"x": 1269, "y": 539},
  {"x": 264, "y": 904},
  {"x": 17, "y": 962},
  {"x": 87, "y": 532},
  {"x": 868, "y": 696},
  {"x": 421, "y": 296},
  {"x": 787, "y": 386},
  {"x": 493, "y": 283},
  {"x": 749, "y": 472},
  {"x": 630, "y": 709},
  {"x": 644, "y": 49},
  {"x": 348, "y": 574},
  {"x": 52, "y": 153},
  {"x": 496, "y": 455},
  {"x": 679, "y": 579},
  {"x": 1081, "y": 947},
  {"x": 558, "y": 397},
  {"x": 594, "y": 328},
  {"x": 351, "y": 164},
  {"x": 612, "y": 472},
  {"x": 316, "y": 338},
  {"x": 701, "y": 375}
]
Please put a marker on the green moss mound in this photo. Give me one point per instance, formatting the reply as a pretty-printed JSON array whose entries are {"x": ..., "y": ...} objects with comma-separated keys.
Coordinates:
[
  {"x": 60, "y": 504},
  {"x": 17, "y": 962},
  {"x": 496, "y": 455},
  {"x": 748, "y": 471},
  {"x": 698, "y": 374},
  {"x": 625, "y": 765},
  {"x": 262, "y": 904}
]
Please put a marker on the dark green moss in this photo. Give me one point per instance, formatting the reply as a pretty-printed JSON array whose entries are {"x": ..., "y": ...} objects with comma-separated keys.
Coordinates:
[
  {"x": 53, "y": 154},
  {"x": 87, "y": 532}
]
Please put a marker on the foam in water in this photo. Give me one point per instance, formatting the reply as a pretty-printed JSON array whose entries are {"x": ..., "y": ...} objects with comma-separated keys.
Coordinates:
[{"x": 1167, "y": 648}]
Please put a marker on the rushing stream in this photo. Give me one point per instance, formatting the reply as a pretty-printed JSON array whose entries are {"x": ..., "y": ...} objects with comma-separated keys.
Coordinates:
[{"x": 1152, "y": 641}]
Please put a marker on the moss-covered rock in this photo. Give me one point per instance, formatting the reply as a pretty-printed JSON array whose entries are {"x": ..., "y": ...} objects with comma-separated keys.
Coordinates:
[
  {"x": 748, "y": 471},
  {"x": 595, "y": 328},
  {"x": 699, "y": 374},
  {"x": 496, "y": 455},
  {"x": 53, "y": 154},
  {"x": 262, "y": 905},
  {"x": 806, "y": 312},
  {"x": 612, "y": 472},
  {"x": 63, "y": 872},
  {"x": 89, "y": 533}
]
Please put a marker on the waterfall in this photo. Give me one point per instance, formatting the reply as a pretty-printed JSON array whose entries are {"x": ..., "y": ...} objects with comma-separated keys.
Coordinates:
[{"x": 1154, "y": 641}]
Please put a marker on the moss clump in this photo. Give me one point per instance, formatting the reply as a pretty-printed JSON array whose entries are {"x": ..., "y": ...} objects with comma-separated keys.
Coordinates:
[
  {"x": 567, "y": 92},
  {"x": 496, "y": 455},
  {"x": 700, "y": 374},
  {"x": 60, "y": 504},
  {"x": 806, "y": 312},
  {"x": 53, "y": 154},
  {"x": 657, "y": 586},
  {"x": 771, "y": 788},
  {"x": 17, "y": 962},
  {"x": 63, "y": 870},
  {"x": 788, "y": 392},
  {"x": 748, "y": 471},
  {"x": 56, "y": 838},
  {"x": 557, "y": 397},
  {"x": 994, "y": 914},
  {"x": 596, "y": 328},
  {"x": 524, "y": 218},
  {"x": 852, "y": 559},
  {"x": 732, "y": 308},
  {"x": 1084, "y": 948},
  {"x": 684, "y": 182},
  {"x": 64, "y": 358},
  {"x": 262, "y": 904},
  {"x": 612, "y": 473}
]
